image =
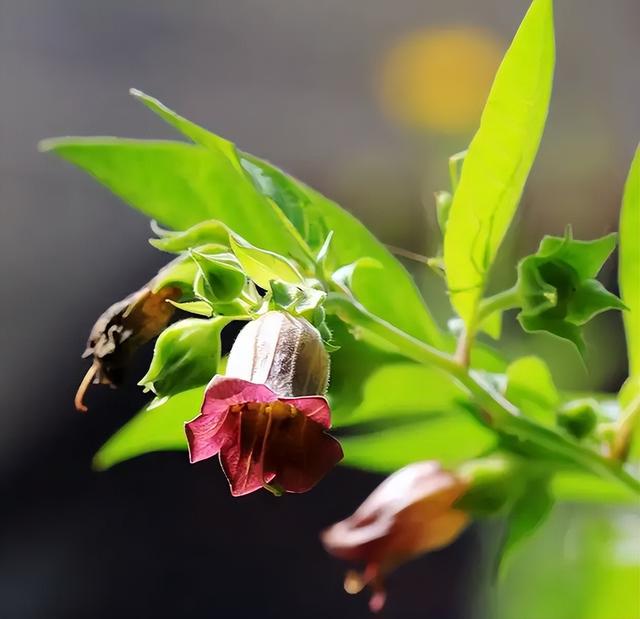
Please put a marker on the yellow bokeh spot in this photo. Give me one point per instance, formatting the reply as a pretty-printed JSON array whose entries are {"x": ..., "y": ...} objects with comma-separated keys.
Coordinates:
[{"x": 439, "y": 79}]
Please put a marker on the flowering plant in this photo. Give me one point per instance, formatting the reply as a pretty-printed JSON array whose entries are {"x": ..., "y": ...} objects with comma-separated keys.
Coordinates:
[{"x": 465, "y": 433}]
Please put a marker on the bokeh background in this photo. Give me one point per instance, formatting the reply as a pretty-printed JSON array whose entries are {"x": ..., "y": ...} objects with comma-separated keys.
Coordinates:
[{"x": 365, "y": 100}]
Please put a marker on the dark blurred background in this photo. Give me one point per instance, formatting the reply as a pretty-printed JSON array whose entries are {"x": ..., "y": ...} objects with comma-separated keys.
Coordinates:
[{"x": 364, "y": 100}]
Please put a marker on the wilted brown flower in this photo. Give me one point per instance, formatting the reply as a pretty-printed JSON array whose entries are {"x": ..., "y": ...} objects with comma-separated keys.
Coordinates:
[
  {"x": 121, "y": 330},
  {"x": 411, "y": 512}
]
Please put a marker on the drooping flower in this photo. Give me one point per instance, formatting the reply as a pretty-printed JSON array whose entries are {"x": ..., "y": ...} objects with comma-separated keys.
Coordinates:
[
  {"x": 411, "y": 512},
  {"x": 120, "y": 330},
  {"x": 266, "y": 418}
]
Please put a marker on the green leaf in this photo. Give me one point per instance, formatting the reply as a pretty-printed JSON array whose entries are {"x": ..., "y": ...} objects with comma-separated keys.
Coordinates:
[
  {"x": 157, "y": 427},
  {"x": 286, "y": 207},
  {"x": 528, "y": 512},
  {"x": 313, "y": 216},
  {"x": 530, "y": 387},
  {"x": 388, "y": 412},
  {"x": 177, "y": 184},
  {"x": 223, "y": 279},
  {"x": 629, "y": 269},
  {"x": 348, "y": 277},
  {"x": 210, "y": 232},
  {"x": 186, "y": 355},
  {"x": 263, "y": 266},
  {"x": 499, "y": 159},
  {"x": 580, "y": 487}
]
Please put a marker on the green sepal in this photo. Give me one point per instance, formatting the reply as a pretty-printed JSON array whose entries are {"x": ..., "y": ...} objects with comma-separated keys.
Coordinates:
[
  {"x": 493, "y": 481},
  {"x": 262, "y": 266},
  {"x": 200, "y": 308},
  {"x": 186, "y": 355},
  {"x": 210, "y": 232},
  {"x": 579, "y": 417},
  {"x": 557, "y": 287},
  {"x": 220, "y": 278},
  {"x": 180, "y": 272}
]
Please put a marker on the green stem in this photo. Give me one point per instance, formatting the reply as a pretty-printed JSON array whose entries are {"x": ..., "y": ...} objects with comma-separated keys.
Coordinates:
[
  {"x": 503, "y": 416},
  {"x": 505, "y": 300},
  {"x": 624, "y": 434}
]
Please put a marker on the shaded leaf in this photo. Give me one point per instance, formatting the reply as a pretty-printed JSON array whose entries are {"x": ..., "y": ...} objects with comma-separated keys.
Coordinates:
[{"x": 531, "y": 388}]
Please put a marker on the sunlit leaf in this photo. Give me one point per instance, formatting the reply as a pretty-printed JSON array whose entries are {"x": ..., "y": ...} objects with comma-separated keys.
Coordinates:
[
  {"x": 160, "y": 428},
  {"x": 499, "y": 158},
  {"x": 177, "y": 184},
  {"x": 629, "y": 271}
]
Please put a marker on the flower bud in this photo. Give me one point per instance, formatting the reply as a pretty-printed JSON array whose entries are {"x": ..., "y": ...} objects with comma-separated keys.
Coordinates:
[
  {"x": 579, "y": 417},
  {"x": 284, "y": 353}
]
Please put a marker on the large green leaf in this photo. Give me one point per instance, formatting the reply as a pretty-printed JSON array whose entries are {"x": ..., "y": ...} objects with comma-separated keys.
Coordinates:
[
  {"x": 154, "y": 428},
  {"x": 629, "y": 271},
  {"x": 178, "y": 184},
  {"x": 499, "y": 159},
  {"x": 390, "y": 293}
]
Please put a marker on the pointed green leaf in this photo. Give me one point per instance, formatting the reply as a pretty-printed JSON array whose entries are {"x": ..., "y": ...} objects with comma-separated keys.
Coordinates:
[
  {"x": 629, "y": 271},
  {"x": 157, "y": 427},
  {"x": 499, "y": 159},
  {"x": 177, "y": 184}
]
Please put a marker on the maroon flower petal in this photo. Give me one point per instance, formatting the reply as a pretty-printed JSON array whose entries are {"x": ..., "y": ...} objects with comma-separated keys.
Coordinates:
[
  {"x": 301, "y": 453},
  {"x": 208, "y": 432},
  {"x": 314, "y": 407},
  {"x": 224, "y": 391}
]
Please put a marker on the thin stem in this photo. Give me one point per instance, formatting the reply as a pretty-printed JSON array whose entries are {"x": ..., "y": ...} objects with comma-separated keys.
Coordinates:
[
  {"x": 624, "y": 435},
  {"x": 505, "y": 300},
  {"x": 502, "y": 415}
]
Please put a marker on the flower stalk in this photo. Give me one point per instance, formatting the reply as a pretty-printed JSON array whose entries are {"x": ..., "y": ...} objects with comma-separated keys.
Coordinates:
[{"x": 501, "y": 414}]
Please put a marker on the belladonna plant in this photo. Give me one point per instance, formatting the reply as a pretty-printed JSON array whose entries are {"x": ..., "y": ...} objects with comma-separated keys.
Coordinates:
[{"x": 465, "y": 433}]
